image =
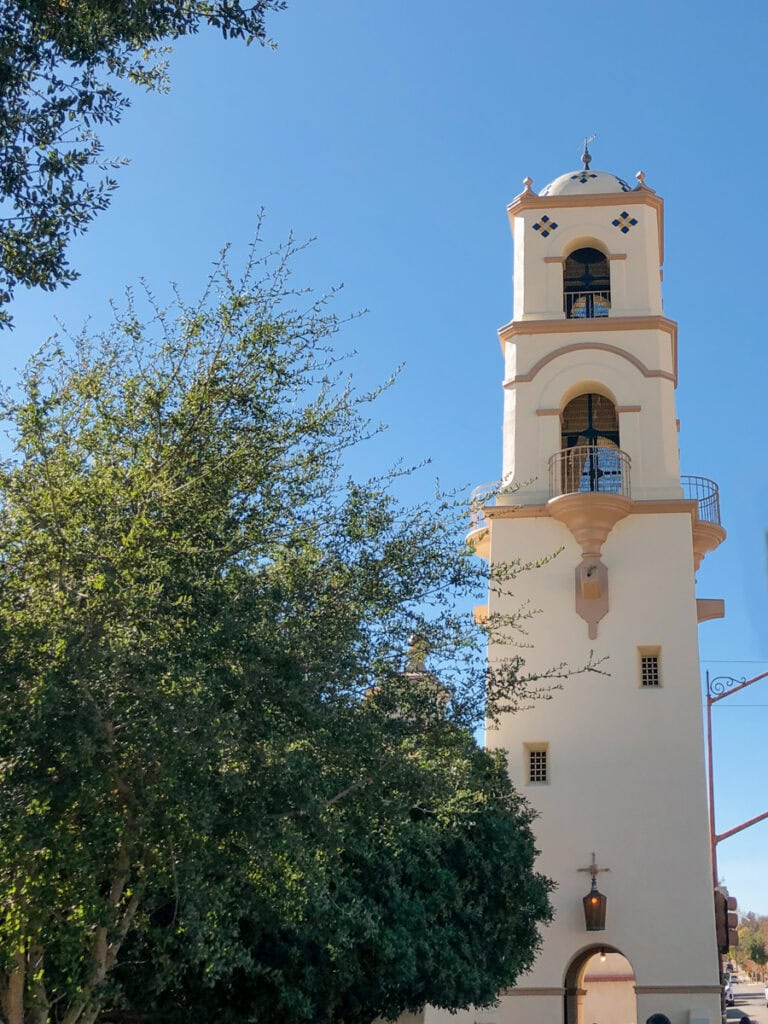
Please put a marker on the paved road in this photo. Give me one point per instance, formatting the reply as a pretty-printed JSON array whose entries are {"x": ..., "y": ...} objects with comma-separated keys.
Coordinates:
[{"x": 751, "y": 999}]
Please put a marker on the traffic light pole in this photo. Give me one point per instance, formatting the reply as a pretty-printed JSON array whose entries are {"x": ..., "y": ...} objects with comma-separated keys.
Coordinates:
[{"x": 718, "y": 689}]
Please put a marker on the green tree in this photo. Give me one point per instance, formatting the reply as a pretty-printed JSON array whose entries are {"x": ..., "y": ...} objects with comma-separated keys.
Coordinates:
[
  {"x": 756, "y": 951},
  {"x": 425, "y": 892},
  {"x": 211, "y": 753},
  {"x": 62, "y": 67},
  {"x": 753, "y": 936}
]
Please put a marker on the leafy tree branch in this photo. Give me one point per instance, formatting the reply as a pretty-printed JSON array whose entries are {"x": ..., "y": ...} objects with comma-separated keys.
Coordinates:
[
  {"x": 64, "y": 66},
  {"x": 227, "y": 790}
]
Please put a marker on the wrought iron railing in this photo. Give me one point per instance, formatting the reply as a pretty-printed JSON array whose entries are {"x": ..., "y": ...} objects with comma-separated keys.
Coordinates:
[
  {"x": 586, "y": 305},
  {"x": 484, "y": 494},
  {"x": 589, "y": 467},
  {"x": 706, "y": 493}
]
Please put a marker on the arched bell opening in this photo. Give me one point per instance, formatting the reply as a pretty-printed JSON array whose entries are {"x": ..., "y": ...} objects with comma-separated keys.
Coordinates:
[
  {"x": 586, "y": 284},
  {"x": 600, "y": 987},
  {"x": 590, "y": 458}
]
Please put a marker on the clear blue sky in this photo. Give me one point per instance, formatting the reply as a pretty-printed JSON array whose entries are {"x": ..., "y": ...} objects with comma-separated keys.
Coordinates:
[{"x": 396, "y": 132}]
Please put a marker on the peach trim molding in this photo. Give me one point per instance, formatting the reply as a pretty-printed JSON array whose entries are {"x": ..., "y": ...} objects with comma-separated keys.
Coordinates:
[
  {"x": 596, "y": 979},
  {"x": 598, "y": 325},
  {"x": 652, "y": 322},
  {"x": 480, "y": 614},
  {"x": 653, "y": 507},
  {"x": 515, "y": 512},
  {"x": 610, "y": 256},
  {"x": 532, "y": 992},
  {"x": 709, "y": 608},
  {"x": 600, "y": 346},
  {"x": 706, "y": 537},
  {"x": 637, "y": 197},
  {"x": 648, "y": 990},
  {"x": 619, "y": 408}
]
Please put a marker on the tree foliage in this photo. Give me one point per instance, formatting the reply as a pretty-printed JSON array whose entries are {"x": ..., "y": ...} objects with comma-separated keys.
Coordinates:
[
  {"x": 425, "y": 894},
  {"x": 221, "y": 787},
  {"x": 62, "y": 68},
  {"x": 753, "y": 940},
  {"x": 750, "y": 952}
]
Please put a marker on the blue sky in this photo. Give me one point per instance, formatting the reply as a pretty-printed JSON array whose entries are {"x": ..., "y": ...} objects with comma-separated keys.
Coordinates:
[{"x": 396, "y": 133}]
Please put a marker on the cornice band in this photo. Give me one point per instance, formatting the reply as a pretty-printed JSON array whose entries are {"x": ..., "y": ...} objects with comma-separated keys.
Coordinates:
[{"x": 525, "y": 378}]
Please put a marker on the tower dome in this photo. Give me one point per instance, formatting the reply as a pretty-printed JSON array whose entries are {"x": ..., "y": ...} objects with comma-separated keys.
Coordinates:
[{"x": 585, "y": 182}]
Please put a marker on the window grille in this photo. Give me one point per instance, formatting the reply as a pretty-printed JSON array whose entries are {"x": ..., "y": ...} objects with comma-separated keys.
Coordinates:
[
  {"x": 649, "y": 670},
  {"x": 537, "y": 766}
]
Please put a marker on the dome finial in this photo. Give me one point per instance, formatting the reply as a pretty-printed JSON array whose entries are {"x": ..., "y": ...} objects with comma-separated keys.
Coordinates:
[{"x": 586, "y": 157}]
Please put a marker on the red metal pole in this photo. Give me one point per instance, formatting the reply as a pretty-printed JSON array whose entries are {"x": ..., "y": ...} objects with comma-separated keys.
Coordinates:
[
  {"x": 740, "y": 828},
  {"x": 711, "y": 784}
]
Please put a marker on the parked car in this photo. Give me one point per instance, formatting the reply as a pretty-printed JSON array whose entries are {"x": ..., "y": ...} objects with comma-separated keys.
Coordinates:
[{"x": 728, "y": 992}]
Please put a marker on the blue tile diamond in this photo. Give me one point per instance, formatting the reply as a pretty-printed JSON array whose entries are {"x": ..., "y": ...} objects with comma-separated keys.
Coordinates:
[{"x": 545, "y": 226}]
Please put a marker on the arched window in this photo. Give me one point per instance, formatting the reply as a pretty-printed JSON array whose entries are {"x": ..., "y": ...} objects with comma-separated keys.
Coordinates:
[
  {"x": 586, "y": 284},
  {"x": 590, "y": 442},
  {"x": 590, "y": 419}
]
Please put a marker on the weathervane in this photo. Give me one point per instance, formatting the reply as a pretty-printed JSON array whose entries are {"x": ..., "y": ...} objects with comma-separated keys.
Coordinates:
[{"x": 586, "y": 157}]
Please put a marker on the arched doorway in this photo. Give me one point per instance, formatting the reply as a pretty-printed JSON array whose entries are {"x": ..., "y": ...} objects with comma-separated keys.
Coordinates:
[{"x": 600, "y": 988}]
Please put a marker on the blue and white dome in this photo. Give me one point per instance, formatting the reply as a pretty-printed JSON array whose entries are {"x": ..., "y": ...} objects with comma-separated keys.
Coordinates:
[{"x": 585, "y": 182}]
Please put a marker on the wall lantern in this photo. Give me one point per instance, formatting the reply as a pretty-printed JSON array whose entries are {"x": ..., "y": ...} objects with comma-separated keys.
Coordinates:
[{"x": 594, "y": 909}]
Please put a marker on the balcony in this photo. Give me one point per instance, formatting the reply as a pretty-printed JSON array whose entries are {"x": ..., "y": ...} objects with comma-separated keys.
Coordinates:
[
  {"x": 706, "y": 493},
  {"x": 586, "y": 305},
  {"x": 589, "y": 468},
  {"x": 589, "y": 487},
  {"x": 481, "y": 496},
  {"x": 708, "y": 532}
]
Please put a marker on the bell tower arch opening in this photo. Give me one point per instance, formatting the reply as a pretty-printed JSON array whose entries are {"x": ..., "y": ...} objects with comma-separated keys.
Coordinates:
[
  {"x": 590, "y": 450},
  {"x": 600, "y": 986},
  {"x": 586, "y": 284},
  {"x": 590, "y": 418}
]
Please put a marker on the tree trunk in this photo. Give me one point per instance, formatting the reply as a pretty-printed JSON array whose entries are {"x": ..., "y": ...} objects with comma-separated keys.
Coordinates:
[
  {"x": 38, "y": 1012},
  {"x": 13, "y": 991}
]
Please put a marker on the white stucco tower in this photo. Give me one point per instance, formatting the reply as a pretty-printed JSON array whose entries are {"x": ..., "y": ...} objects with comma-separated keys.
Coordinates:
[{"x": 614, "y": 762}]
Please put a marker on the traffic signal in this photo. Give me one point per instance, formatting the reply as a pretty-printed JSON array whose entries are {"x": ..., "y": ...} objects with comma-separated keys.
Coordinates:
[{"x": 726, "y": 920}]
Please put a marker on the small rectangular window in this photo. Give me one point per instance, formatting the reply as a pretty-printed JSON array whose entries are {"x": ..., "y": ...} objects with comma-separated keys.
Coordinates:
[
  {"x": 650, "y": 666},
  {"x": 537, "y": 763}
]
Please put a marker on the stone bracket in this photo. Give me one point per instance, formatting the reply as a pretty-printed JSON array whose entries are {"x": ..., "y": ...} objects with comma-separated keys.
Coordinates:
[{"x": 591, "y": 592}]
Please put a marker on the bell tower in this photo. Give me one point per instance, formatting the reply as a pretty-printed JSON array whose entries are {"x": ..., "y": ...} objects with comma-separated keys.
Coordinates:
[{"x": 614, "y": 761}]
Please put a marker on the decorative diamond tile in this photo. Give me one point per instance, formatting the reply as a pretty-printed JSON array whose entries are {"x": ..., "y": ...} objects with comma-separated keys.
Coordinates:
[
  {"x": 583, "y": 177},
  {"x": 624, "y": 222},
  {"x": 545, "y": 226},
  {"x": 624, "y": 186}
]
